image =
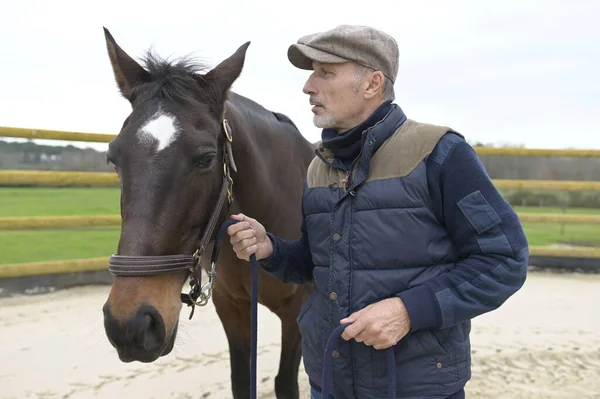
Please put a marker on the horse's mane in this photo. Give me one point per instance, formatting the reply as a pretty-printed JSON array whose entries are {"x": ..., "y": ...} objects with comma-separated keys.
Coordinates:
[
  {"x": 181, "y": 80},
  {"x": 175, "y": 80},
  {"x": 284, "y": 118}
]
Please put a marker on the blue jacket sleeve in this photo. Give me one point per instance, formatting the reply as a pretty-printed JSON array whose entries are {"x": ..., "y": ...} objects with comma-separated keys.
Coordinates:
[
  {"x": 487, "y": 234},
  {"x": 290, "y": 261}
]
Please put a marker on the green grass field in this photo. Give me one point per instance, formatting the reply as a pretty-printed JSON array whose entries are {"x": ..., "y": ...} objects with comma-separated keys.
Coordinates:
[
  {"x": 550, "y": 209},
  {"x": 58, "y": 201},
  {"x": 40, "y": 245},
  {"x": 45, "y": 245},
  {"x": 555, "y": 233}
]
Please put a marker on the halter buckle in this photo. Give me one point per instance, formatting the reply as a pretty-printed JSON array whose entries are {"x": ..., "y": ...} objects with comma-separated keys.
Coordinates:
[
  {"x": 227, "y": 131},
  {"x": 200, "y": 296}
]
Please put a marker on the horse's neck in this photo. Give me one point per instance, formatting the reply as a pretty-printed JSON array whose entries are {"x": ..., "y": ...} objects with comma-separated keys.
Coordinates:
[
  {"x": 267, "y": 185},
  {"x": 253, "y": 172}
]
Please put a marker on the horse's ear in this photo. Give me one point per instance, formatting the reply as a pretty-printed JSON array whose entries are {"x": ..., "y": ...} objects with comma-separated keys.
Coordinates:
[
  {"x": 223, "y": 75},
  {"x": 128, "y": 72}
]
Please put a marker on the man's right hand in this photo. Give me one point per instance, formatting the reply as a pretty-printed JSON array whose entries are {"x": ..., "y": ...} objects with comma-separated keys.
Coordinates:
[{"x": 249, "y": 237}]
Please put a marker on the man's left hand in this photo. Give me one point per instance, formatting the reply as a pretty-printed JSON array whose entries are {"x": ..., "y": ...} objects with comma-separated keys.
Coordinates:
[{"x": 380, "y": 325}]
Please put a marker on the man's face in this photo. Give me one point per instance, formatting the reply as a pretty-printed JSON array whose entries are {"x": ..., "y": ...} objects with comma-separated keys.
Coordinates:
[{"x": 335, "y": 95}]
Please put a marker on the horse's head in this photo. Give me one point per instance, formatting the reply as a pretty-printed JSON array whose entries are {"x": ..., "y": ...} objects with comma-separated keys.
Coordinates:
[{"x": 169, "y": 156}]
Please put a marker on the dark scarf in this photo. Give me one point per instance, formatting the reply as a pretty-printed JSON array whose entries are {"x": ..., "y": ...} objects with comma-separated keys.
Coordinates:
[{"x": 346, "y": 146}]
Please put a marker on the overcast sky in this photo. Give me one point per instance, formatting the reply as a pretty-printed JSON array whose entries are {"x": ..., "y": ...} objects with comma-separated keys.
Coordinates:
[{"x": 514, "y": 72}]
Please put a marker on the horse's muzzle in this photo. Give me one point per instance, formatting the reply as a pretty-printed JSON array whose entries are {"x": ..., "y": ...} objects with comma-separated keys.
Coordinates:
[{"x": 142, "y": 337}]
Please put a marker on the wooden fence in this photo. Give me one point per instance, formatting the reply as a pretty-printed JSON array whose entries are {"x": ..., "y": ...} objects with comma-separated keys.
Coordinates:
[{"x": 571, "y": 257}]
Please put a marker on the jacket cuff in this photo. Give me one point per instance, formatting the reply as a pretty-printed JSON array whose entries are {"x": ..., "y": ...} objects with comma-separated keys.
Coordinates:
[
  {"x": 270, "y": 262},
  {"x": 423, "y": 308}
]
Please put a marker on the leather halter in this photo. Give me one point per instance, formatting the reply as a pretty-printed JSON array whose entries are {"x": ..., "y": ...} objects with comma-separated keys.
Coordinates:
[{"x": 131, "y": 265}]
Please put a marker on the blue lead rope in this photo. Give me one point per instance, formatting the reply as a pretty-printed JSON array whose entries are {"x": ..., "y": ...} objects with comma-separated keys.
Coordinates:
[
  {"x": 327, "y": 365},
  {"x": 253, "y": 303}
]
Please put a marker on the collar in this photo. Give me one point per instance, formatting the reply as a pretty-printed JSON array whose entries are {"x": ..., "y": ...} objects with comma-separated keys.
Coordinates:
[
  {"x": 372, "y": 138},
  {"x": 347, "y": 146}
]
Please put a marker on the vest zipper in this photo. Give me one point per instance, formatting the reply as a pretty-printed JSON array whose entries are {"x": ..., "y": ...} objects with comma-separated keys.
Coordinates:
[{"x": 346, "y": 179}]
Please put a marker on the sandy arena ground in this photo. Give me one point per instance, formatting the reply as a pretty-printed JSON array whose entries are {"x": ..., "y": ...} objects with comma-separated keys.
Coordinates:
[{"x": 544, "y": 343}]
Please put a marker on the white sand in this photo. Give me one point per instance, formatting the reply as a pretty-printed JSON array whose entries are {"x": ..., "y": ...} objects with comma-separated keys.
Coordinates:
[{"x": 544, "y": 343}]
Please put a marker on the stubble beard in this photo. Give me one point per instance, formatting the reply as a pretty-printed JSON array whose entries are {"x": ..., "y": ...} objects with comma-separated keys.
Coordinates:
[{"x": 324, "y": 120}]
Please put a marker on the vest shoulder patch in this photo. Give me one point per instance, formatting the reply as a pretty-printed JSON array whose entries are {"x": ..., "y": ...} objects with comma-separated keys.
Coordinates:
[
  {"x": 319, "y": 174},
  {"x": 398, "y": 156},
  {"x": 405, "y": 149}
]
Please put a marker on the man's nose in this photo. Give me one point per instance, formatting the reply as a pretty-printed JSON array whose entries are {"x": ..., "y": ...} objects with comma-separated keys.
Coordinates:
[{"x": 309, "y": 88}]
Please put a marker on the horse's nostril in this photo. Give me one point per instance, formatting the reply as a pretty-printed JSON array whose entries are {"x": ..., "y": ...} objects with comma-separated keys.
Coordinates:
[
  {"x": 152, "y": 323},
  {"x": 150, "y": 327}
]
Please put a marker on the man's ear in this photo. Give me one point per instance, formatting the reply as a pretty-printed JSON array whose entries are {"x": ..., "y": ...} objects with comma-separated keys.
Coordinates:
[{"x": 375, "y": 81}]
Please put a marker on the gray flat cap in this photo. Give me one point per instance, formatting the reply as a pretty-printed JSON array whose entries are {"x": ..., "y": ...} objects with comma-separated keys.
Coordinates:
[{"x": 361, "y": 44}]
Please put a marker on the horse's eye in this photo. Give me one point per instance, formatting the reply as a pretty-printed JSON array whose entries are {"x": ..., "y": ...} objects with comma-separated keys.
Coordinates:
[
  {"x": 204, "y": 161},
  {"x": 113, "y": 153},
  {"x": 111, "y": 159}
]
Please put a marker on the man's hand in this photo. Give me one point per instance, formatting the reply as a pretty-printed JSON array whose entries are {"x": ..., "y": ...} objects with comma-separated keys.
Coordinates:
[
  {"x": 380, "y": 325},
  {"x": 249, "y": 237}
]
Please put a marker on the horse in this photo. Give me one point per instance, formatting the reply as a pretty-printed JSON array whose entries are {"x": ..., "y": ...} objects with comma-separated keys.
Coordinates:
[{"x": 191, "y": 153}]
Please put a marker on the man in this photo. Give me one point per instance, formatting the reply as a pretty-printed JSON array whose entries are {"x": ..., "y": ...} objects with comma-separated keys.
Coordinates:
[{"x": 404, "y": 235}]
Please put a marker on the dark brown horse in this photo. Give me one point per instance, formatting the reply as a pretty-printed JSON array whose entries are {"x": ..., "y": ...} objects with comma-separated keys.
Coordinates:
[{"x": 170, "y": 156}]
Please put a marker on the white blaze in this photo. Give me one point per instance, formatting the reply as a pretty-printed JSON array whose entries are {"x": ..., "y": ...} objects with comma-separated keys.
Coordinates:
[{"x": 162, "y": 128}]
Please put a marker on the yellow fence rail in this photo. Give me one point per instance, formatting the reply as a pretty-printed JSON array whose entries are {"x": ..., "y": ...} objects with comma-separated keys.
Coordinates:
[
  {"x": 14, "y": 270},
  {"x": 536, "y": 152},
  {"x": 58, "y": 222},
  {"x": 82, "y": 221},
  {"x": 110, "y": 179},
  {"x": 24, "y": 133},
  {"x": 30, "y": 133},
  {"x": 565, "y": 252},
  {"x": 547, "y": 185},
  {"x": 559, "y": 218},
  {"x": 58, "y": 179}
]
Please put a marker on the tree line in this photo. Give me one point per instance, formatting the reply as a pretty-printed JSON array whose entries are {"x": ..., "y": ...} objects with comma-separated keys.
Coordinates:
[{"x": 32, "y": 156}]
